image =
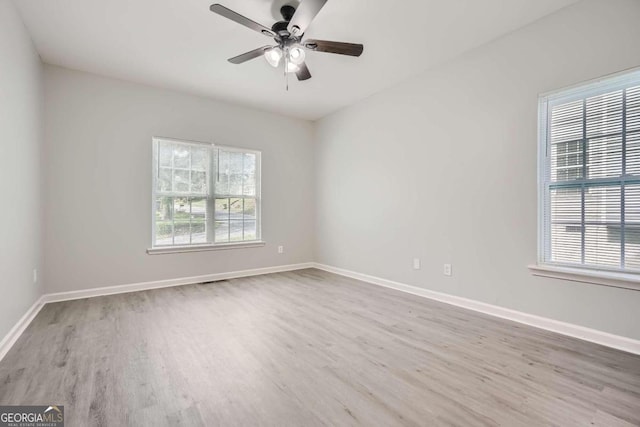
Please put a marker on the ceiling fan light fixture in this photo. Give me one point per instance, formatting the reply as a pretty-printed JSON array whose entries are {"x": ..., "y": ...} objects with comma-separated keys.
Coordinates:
[
  {"x": 296, "y": 55},
  {"x": 273, "y": 56}
]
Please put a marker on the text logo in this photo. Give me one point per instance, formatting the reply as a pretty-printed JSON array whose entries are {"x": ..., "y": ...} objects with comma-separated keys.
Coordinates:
[{"x": 32, "y": 416}]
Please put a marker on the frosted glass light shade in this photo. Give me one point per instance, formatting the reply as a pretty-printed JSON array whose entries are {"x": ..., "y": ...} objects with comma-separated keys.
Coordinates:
[
  {"x": 273, "y": 56},
  {"x": 296, "y": 55}
]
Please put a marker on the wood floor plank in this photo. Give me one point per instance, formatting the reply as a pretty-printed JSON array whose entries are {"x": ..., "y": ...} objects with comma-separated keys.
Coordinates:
[{"x": 309, "y": 348}]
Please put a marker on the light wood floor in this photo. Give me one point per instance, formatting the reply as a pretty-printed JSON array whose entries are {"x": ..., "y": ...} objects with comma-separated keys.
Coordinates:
[{"x": 309, "y": 348}]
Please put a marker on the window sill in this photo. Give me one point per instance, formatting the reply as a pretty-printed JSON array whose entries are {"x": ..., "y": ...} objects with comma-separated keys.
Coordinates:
[
  {"x": 597, "y": 277},
  {"x": 200, "y": 248}
]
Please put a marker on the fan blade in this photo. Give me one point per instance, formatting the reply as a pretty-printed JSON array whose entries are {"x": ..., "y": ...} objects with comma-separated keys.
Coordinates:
[
  {"x": 252, "y": 54},
  {"x": 242, "y": 20},
  {"x": 340, "y": 48},
  {"x": 303, "y": 72},
  {"x": 305, "y": 13}
]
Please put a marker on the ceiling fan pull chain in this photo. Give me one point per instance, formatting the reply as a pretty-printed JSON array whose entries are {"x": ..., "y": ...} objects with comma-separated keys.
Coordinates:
[{"x": 286, "y": 68}]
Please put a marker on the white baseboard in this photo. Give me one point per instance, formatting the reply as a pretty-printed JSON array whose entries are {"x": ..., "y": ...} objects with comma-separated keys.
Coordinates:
[
  {"x": 10, "y": 339},
  {"x": 587, "y": 334},
  {"x": 581, "y": 332},
  {"x": 157, "y": 284}
]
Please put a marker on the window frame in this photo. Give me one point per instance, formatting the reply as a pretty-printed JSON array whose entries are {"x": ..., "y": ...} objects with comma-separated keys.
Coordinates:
[
  {"x": 210, "y": 200},
  {"x": 609, "y": 276}
]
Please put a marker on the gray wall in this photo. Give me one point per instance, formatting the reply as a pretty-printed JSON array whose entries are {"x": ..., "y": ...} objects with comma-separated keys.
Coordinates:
[
  {"x": 98, "y": 180},
  {"x": 443, "y": 167},
  {"x": 21, "y": 96}
]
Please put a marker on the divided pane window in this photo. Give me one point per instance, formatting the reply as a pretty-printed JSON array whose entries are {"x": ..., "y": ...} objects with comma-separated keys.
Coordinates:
[
  {"x": 590, "y": 170},
  {"x": 236, "y": 204},
  {"x": 204, "y": 194}
]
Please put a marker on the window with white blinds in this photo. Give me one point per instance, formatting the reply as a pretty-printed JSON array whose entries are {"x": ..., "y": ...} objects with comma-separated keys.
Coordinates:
[
  {"x": 590, "y": 175},
  {"x": 204, "y": 194}
]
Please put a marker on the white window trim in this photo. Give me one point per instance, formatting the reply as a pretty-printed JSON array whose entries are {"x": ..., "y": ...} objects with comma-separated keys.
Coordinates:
[
  {"x": 210, "y": 246},
  {"x": 160, "y": 250},
  {"x": 584, "y": 274},
  {"x": 596, "y": 277}
]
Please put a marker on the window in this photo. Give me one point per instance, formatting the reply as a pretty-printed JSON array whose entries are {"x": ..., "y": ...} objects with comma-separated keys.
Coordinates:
[
  {"x": 590, "y": 175},
  {"x": 204, "y": 194}
]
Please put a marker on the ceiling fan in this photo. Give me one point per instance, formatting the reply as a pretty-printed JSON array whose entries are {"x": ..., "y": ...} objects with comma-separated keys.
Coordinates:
[{"x": 288, "y": 34}]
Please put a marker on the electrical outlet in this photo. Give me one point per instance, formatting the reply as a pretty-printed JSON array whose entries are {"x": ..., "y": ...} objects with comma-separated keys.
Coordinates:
[
  {"x": 447, "y": 269},
  {"x": 416, "y": 263},
  {"x": 280, "y": 249},
  {"x": 35, "y": 275}
]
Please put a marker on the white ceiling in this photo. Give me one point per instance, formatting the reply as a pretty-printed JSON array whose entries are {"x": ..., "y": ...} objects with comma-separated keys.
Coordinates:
[{"x": 180, "y": 44}]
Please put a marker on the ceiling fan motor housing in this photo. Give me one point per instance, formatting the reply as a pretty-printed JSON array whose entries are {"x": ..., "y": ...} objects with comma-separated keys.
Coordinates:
[{"x": 280, "y": 27}]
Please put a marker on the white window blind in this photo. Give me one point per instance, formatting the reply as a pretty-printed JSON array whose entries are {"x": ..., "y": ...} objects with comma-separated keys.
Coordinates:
[
  {"x": 204, "y": 194},
  {"x": 590, "y": 175}
]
